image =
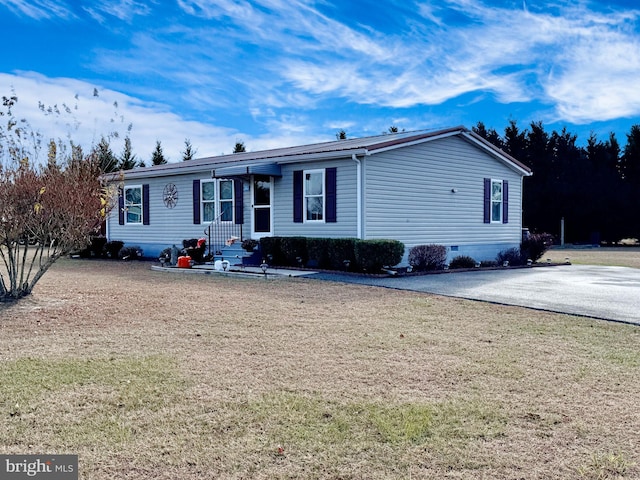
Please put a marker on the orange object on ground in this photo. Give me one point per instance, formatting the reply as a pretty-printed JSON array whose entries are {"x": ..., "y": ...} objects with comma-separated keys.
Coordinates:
[{"x": 184, "y": 262}]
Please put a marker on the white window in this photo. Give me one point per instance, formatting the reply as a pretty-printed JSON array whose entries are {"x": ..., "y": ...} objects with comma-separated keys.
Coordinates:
[
  {"x": 496, "y": 201},
  {"x": 314, "y": 195},
  {"x": 133, "y": 204},
  {"x": 226, "y": 200},
  {"x": 217, "y": 200}
]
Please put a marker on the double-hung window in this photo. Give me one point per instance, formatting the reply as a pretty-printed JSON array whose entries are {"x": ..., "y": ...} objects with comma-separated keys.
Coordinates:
[
  {"x": 217, "y": 200},
  {"x": 133, "y": 204},
  {"x": 226, "y": 200},
  {"x": 314, "y": 194},
  {"x": 496, "y": 201}
]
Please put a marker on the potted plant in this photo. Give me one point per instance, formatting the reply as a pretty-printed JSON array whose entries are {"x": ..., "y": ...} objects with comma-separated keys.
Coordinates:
[{"x": 249, "y": 245}]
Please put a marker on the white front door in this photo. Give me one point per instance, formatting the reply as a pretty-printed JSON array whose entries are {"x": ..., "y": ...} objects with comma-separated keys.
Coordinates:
[{"x": 261, "y": 213}]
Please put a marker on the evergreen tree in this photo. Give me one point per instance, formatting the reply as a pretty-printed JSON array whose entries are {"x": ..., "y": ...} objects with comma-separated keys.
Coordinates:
[
  {"x": 239, "y": 148},
  {"x": 630, "y": 162},
  {"x": 515, "y": 141},
  {"x": 127, "y": 159},
  {"x": 189, "y": 152},
  {"x": 157, "y": 157},
  {"x": 490, "y": 135},
  {"x": 106, "y": 159}
]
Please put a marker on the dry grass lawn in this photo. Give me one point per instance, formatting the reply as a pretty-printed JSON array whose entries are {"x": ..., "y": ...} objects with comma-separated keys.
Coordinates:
[
  {"x": 615, "y": 256},
  {"x": 152, "y": 375}
]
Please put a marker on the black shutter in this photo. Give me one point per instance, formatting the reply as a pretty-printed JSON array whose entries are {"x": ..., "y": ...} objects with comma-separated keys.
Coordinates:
[
  {"x": 238, "y": 195},
  {"x": 145, "y": 204},
  {"x": 487, "y": 200},
  {"x": 120, "y": 206},
  {"x": 505, "y": 201},
  {"x": 330, "y": 180},
  {"x": 297, "y": 196},
  {"x": 196, "y": 202}
]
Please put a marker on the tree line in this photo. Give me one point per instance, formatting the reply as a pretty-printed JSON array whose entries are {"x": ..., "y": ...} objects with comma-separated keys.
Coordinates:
[{"x": 595, "y": 188}]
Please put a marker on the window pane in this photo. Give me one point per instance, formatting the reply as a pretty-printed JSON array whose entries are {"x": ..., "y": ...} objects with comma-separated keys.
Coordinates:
[
  {"x": 226, "y": 190},
  {"x": 262, "y": 220},
  {"x": 314, "y": 208},
  {"x": 133, "y": 195},
  {"x": 496, "y": 191},
  {"x": 226, "y": 211},
  {"x": 208, "y": 212},
  {"x": 134, "y": 215},
  {"x": 313, "y": 184},
  {"x": 208, "y": 190},
  {"x": 262, "y": 191},
  {"x": 496, "y": 211}
]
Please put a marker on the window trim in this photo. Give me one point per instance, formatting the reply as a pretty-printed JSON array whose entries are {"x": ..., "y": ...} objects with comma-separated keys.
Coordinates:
[
  {"x": 305, "y": 196},
  {"x": 126, "y": 207},
  {"x": 217, "y": 200},
  {"x": 493, "y": 201}
]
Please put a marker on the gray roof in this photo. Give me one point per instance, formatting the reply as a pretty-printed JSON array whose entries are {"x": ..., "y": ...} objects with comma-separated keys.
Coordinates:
[{"x": 319, "y": 151}]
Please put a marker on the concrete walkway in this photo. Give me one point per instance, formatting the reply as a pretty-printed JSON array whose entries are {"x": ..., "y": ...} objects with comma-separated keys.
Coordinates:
[{"x": 608, "y": 293}]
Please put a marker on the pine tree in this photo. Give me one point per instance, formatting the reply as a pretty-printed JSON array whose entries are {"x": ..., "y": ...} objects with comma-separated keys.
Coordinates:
[
  {"x": 157, "y": 157},
  {"x": 127, "y": 159},
  {"x": 189, "y": 152},
  {"x": 239, "y": 148},
  {"x": 107, "y": 160}
]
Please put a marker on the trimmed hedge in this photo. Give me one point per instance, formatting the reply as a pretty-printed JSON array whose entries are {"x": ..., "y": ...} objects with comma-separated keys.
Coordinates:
[
  {"x": 332, "y": 253},
  {"x": 372, "y": 255}
]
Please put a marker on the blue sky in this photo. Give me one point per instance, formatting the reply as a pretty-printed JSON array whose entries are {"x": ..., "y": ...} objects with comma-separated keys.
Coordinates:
[{"x": 277, "y": 73}]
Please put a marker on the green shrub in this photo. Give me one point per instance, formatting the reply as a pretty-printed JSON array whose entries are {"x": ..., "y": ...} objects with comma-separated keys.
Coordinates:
[
  {"x": 341, "y": 250},
  {"x": 462, "y": 261},
  {"x": 534, "y": 246},
  {"x": 428, "y": 257},
  {"x": 372, "y": 255},
  {"x": 293, "y": 251},
  {"x": 332, "y": 253},
  {"x": 318, "y": 252},
  {"x": 133, "y": 252},
  {"x": 112, "y": 248},
  {"x": 488, "y": 263},
  {"x": 249, "y": 244},
  {"x": 271, "y": 251}
]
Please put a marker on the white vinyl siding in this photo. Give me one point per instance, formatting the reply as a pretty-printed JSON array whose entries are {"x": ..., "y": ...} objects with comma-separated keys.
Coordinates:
[
  {"x": 346, "y": 225},
  {"x": 437, "y": 195}
]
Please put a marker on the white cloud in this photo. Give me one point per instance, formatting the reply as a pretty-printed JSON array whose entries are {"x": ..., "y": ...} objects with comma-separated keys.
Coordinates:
[
  {"x": 124, "y": 10},
  {"x": 39, "y": 9},
  {"x": 280, "y": 62},
  {"x": 92, "y": 117}
]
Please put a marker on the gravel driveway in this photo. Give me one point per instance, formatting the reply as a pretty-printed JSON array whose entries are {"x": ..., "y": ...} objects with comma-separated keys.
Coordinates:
[{"x": 609, "y": 293}]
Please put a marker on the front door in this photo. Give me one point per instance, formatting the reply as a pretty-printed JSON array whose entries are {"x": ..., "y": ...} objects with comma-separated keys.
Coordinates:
[{"x": 262, "y": 195}]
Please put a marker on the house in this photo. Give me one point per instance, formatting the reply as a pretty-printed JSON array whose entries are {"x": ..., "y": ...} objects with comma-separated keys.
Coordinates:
[{"x": 448, "y": 187}]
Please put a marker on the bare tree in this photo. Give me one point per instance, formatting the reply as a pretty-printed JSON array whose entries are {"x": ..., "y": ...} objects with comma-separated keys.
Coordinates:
[{"x": 45, "y": 211}]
